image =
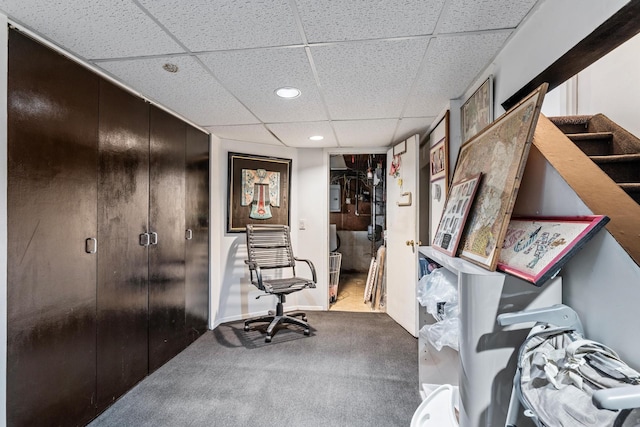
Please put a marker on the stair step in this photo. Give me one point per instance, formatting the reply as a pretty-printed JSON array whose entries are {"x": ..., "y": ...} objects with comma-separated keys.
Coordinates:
[
  {"x": 593, "y": 143},
  {"x": 571, "y": 124},
  {"x": 632, "y": 189},
  {"x": 622, "y": 168}
]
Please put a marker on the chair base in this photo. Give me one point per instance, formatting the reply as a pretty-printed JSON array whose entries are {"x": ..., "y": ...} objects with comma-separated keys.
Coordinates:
[{"x": 297, "y": 318}]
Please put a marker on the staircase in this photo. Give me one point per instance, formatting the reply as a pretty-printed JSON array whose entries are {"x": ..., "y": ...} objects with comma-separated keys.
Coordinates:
[
  {"x": 612, "y": 148},
  {"x": 600, "y": 161}
]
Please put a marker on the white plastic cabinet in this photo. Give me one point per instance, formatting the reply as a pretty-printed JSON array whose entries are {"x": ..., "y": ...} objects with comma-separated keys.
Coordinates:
[{"x": 488, "y": 352}]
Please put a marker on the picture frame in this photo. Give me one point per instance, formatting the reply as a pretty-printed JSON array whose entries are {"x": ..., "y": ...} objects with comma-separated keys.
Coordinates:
[
  {"x": 536, "y": 248},
  {"x": 439, "y": 186},
  {"x": 439, "y": 160},
  {"x": 477, "y": 111},
  {"x": 455, "y": 214},
  {"x": 400, "y": 148},
  {"x": 259, "y": 191},
  {"x": 500, "y": 153}
]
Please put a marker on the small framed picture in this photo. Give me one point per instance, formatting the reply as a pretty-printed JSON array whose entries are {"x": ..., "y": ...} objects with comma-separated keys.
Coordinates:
[
  {"x": 439, "y": 160},
  {"x": 454, "y": 216}
]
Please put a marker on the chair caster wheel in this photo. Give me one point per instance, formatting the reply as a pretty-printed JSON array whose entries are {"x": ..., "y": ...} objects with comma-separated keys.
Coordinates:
[
  {"x": 267, "y": 339},
  {"x": 307, "y": 332},
  {"x": 246, "y": 328}
]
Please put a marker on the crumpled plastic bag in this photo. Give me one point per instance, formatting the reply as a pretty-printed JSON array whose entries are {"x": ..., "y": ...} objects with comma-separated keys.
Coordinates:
[
  {"x": 445, "y": 332},
  {"x": 438, "y": 292}
]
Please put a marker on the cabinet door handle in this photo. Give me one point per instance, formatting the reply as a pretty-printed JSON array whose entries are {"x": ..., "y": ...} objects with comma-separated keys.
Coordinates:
[
  {"x": 91, "y": 245},
  {"x": 154, "y": 238},
  {"x": 188, "y": 234},
  {"x": 145, "y": 239}
]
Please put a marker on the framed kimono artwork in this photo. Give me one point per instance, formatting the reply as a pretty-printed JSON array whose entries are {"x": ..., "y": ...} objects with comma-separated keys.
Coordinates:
[{"x": 259, "y": 191}]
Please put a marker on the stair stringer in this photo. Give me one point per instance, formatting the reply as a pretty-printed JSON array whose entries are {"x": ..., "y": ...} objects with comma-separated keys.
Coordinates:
[{"x": 594, "y": 187}]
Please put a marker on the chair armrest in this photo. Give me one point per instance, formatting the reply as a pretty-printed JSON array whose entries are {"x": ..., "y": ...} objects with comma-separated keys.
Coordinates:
[
  {"x": 253, "y": 266},
  {"x": 311, "y": 267},
  {"x": 617, "y": 398}
]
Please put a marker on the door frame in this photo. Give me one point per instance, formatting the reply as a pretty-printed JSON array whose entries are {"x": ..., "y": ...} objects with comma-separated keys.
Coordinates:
[{"x": 328, "y": 152}]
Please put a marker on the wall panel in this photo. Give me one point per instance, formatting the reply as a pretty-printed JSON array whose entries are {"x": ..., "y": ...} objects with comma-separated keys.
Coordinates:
[
  {"x": 52, "y": 174},
  {"x": 123, "y": 203},
  {"x": 166, "y": 219}
]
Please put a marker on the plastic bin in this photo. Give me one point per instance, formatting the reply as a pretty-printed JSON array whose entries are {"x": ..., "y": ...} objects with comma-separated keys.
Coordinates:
[{"x": 335, "y": 259}]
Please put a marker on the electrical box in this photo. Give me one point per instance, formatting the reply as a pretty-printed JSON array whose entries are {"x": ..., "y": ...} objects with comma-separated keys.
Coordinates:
[{"x": 335, "y": 201}]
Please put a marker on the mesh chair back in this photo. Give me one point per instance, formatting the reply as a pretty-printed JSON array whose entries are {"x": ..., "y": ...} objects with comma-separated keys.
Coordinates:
[{"x": 270, "y": 246}]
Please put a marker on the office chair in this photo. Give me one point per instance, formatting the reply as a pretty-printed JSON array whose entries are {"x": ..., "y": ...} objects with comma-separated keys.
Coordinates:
[{"x": 269, "y": 247}]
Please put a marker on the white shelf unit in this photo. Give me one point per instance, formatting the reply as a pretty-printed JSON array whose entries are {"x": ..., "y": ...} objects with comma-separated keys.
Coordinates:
[{"x": 486, "y": 361}]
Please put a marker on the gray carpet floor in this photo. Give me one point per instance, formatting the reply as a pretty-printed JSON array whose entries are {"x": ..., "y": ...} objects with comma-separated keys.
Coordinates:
[{"x": 355, "y": 369}]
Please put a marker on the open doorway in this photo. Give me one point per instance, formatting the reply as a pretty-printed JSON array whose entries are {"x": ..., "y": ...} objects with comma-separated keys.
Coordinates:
[{"x": 356, "y": 223}]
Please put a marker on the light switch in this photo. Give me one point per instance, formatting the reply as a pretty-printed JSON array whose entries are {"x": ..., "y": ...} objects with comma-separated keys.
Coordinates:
[{"x": 302, "y": 224}]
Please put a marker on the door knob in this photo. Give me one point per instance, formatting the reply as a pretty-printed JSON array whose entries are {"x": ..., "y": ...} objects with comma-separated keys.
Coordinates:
[{"x": 410, "y": 242}]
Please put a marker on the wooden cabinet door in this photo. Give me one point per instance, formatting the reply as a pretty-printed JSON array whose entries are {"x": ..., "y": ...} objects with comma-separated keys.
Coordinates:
[
  {"x": 123, "y": 209},
  {"x": 197, "y": 243},
  {"x": 167, "y": 335},
  {"x": 52, "y": 181}
]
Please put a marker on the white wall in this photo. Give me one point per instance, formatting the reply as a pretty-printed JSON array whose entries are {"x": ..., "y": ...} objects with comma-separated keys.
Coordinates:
[
  {"x": 611, "y": 86},
  {"x": 312, "y": 204},
  {"x": 233, "y": 295},
  {"x": 355, "y": 248}
]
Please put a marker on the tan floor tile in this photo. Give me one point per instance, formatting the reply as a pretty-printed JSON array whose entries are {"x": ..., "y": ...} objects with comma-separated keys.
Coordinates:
[{"x": 351, "y": 293}]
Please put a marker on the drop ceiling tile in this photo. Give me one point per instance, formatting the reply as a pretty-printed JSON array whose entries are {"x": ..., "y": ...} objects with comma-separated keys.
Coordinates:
[
  {"x": 368, "y": 79},
  {"x": 475, "y": 15},
  {"x": 365, "y": 133},
  {"x": 191, "y": 91},
  {"x": 254, "y": 75},
  {"x": 248, "y": 133},
  {"x": 367, "y": 19},
  {"x": 409, "y": 126},
  {"x": 451, "y": 64},
  {"x": 227, "y": 24},
  {"x": 297, "y": 134},
  {"x": 93, "y": 29}
]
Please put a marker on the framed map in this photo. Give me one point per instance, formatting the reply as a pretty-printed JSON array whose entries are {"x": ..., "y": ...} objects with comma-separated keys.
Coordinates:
[
  {"x": 477, "y": 112},
  {"x": 535, "y": 249},
  {"x": 499, "y": 152}
]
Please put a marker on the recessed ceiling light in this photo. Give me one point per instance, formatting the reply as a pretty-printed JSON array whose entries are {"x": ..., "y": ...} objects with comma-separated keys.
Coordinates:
[
  {"x": 288, "y": 92},
  {"x": 172, "y": 68},
  {"x": 316, "y": 138}
]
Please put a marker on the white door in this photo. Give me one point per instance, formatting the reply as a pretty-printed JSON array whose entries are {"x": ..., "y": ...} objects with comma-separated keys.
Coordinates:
[{"x": 402, "y": 237}]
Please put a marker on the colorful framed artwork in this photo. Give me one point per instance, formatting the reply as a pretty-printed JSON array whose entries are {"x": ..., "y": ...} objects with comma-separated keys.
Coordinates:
[
  {"x": 500, "y": 153},
  {"x": 535, "y": 249},
  {"x": 259, "y": 191},
  {"x": 477, "y": 112},
  {"x": 455, "y": 214},
  {"x": 439, "y": 160}
]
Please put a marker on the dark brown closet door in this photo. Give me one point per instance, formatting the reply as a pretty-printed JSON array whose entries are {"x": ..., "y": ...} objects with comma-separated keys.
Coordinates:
[
  {"x": 51, "y": 295},
  {"x": 167, "y": 335},
  {"x": 197, "y": 244},
  {"x": 123, "y": 209}
]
